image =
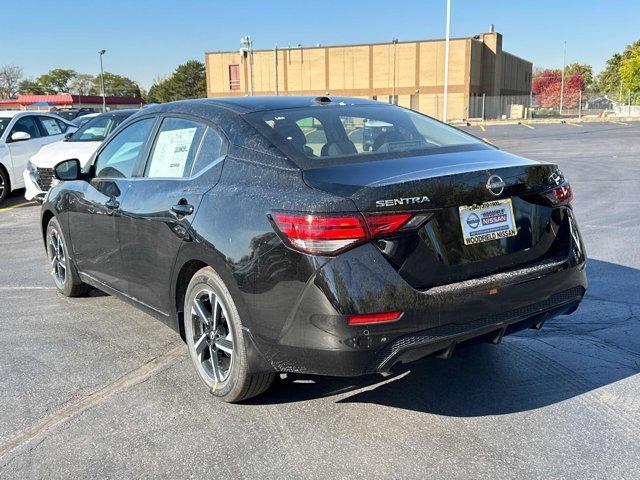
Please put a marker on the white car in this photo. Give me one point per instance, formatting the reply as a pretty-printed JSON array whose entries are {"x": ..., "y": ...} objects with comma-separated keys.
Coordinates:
[
  {"x": 22, "y": 134},
  {"x": 80, "y": 145}
]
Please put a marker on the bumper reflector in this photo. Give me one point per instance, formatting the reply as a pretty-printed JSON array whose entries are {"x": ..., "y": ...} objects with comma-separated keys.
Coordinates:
[{"x": 372, "y": 318}]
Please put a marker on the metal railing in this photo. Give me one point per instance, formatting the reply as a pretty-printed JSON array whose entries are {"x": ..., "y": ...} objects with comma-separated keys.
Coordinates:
[{"x": 573, "y": 104}]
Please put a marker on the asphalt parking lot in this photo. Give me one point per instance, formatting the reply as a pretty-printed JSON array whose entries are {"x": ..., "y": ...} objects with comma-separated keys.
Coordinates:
[{"x": 92, "y": 387}]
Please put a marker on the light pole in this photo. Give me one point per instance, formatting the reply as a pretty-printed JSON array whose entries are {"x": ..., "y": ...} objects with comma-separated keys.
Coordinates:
[
  {"x": 104, "y": 99},
  {"x": 446, "y": 62},
  {"x": 564, "y": 63}
]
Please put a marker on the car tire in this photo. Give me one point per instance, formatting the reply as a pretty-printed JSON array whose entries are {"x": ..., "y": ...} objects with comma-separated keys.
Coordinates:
[
  {"x": 65, "y": 275},
  {"x": 216, "y": 341},
  {"x": 5, "y": 185}
]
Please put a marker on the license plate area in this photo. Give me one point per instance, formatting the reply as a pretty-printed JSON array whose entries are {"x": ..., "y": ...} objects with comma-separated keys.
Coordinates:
[{"x": 487, "y": 221}]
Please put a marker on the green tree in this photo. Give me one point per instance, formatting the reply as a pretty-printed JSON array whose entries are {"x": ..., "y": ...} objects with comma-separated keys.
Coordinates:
[
  {"x": 187, "y": 81},
  {"x": 630, "y": 71},
  {"x": 585, "y": 71},
  {"x": 57, "y": 80},
  {"x": 609, "y": 79},
  {"x": 31, "y": 87},
  {"x": 116, "y": 86}
]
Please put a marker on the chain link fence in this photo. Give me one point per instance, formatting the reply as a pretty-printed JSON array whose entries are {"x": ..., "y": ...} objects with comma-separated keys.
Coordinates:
[{"x": 571, "y": 104}]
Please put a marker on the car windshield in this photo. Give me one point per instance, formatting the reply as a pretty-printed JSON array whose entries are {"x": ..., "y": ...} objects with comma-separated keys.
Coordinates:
[
  {"x": 4, "y": 123},
  {"x": 97, "y": 129},
  {"x": 352, "y": 132}
]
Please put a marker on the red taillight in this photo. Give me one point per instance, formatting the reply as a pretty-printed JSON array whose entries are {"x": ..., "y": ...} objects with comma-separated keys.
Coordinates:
[
  {"x": 322, "y": 234},
  {"x": 561, "y": 195},
  {"x": 371, "y": 318},
  {"x": 385, "y": 223}
]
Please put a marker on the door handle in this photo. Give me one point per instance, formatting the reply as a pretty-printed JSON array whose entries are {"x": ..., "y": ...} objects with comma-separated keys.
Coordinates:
[{"x": 182, "y": 209}]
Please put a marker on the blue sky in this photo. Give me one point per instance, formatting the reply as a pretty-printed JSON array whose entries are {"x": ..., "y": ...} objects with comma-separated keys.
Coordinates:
[{"x": 147, "y": 38}]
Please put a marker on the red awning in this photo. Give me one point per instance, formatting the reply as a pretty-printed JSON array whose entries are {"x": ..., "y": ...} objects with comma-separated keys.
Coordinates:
[
  {"x": 62, "y": 99},
  {"x": 67, "y": 99}
]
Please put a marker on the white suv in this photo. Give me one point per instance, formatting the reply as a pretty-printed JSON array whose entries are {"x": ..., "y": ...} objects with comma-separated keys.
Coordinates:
[
  {"x": 81, "y": 145},
  {"x": 22, "y": 134}
]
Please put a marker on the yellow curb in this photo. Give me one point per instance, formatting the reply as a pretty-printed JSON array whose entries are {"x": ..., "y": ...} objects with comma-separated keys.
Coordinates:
[{"x": 6, "y": 209}]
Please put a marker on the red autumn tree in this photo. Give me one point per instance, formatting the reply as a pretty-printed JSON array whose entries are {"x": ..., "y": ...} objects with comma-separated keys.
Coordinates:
[
  {"x": 546, "y": 87},
  {"x": 550, "y": 96},
  {"x": 545, "y": 79}
]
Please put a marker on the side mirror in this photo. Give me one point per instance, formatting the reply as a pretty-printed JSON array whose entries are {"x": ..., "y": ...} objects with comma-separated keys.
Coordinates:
[
  {"x": 20, "y": 136},
  {"x": 68, "y": 170},
  {"x": 68, "y": 135}
]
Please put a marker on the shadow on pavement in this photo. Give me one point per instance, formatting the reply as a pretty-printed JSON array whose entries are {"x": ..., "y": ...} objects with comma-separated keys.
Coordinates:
[
  {"x": 16, "y": 200},
  {"x": 596, "y": 346}
]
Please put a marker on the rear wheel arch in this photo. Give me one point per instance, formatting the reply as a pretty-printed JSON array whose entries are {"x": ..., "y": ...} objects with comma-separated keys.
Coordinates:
[
  {"x": 192, "y": 259},
  {"x": 186, "y": 273}
]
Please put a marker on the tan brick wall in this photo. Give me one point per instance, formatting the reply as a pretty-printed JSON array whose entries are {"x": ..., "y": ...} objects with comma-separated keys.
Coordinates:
[{"x": 368, "y": 70}]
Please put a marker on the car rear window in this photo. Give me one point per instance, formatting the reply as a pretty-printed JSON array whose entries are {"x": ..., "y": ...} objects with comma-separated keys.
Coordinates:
[{"x": 343, "y": 133}]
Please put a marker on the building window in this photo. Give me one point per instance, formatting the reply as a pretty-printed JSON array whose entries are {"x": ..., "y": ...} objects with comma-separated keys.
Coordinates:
[
  {"x": 393, "y": 99},
  {"x": 234, "y": 77}
]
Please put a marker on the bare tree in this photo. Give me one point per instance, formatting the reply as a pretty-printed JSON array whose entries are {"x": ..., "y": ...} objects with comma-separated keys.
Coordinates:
[
  {"x": 10, "y": 76},
  {"x": 81, "y": 84}
]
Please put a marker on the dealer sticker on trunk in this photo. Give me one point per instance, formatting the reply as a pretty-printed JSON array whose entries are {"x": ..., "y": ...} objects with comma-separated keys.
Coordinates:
[{"x": 488, "y": 221}]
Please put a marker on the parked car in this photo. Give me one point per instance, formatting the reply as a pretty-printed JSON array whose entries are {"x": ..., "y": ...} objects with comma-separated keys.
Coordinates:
[
  {"x": 81, "y": 144},
  {"x": 22, "y": 134},
  {"x": 81, "y": 120},
  {"x": 213, "y": 216},
  {"x": 73, "y": 113}
]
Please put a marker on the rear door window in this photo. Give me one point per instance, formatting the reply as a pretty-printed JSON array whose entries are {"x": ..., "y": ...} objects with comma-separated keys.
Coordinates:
[
  {"x": 175, "y": 148},
  {"x": 50, "y": 126}
]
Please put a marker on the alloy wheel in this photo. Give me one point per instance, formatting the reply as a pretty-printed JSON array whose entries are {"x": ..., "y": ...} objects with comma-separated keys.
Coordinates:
[
  {"x": 58, "y": 258},
  {"x": 2, "y": 186},
  {"x": 212, "y": 336}
]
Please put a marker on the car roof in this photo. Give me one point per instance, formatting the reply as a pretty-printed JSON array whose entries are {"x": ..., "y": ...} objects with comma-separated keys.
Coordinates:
[
  {"x": 16, "y": 113},
  {"x": 116, "y": 113},
  {"x": 10, "y": 113},
  {"x": 243, "y": 105}
]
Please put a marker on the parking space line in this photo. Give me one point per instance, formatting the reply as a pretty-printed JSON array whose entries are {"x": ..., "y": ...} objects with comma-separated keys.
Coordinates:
[
  {"x": 619, "y": 123},
  {"x": 482, "y": 127},
  {"x": 574, "y": 124},
  {"x": 71, "y": 410},
  {"x": 528, "y": 126},
  {"x": 6, "y": 209}
]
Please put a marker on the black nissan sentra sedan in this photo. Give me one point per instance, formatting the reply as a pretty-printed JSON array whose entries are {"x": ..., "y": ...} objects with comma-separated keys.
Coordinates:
[{"x": 276, "y": 235}]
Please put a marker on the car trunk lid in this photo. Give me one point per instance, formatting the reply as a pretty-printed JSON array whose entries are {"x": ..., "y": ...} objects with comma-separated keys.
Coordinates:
[{"x": 440, "y": 184}]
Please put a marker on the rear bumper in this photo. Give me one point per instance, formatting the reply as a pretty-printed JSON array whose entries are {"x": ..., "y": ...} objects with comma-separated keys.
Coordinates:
[{"x": 317, "y": 339}]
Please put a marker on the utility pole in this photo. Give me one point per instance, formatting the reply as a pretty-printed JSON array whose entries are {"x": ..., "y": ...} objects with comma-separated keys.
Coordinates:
[
  {"x": 104, "y": 98},
  {"x": 276, "y": 67},
  {"x": 446, "y": 62},
  {"x": 564, "y": 63},
  {"x": 395, "y": 53},
  {"x": 247, "y": 49}
]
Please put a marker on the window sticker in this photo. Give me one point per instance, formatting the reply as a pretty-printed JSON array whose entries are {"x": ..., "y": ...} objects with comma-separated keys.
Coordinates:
[
  {"x": 171, "y": 153},
  {"x": 51, "y": 126}
]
